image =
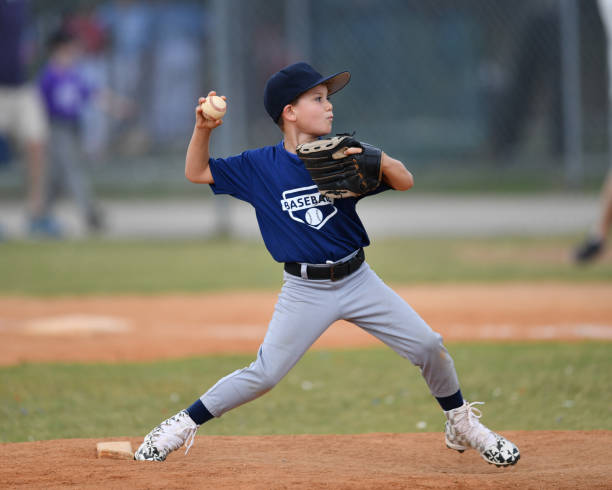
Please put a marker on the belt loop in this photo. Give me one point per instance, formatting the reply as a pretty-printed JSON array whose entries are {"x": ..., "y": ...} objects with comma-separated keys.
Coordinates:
[{"x": 304, "y": 271}]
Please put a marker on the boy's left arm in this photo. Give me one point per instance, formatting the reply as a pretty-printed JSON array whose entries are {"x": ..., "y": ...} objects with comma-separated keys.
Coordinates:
[{"x": 395, "y": 174}]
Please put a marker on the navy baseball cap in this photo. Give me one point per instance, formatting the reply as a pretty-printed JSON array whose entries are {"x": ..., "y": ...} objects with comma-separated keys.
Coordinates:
[{"x": 286, "y": 85}]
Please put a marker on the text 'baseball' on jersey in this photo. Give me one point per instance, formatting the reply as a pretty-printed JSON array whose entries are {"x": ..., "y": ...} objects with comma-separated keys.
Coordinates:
[{"x": 306, "y": 205}]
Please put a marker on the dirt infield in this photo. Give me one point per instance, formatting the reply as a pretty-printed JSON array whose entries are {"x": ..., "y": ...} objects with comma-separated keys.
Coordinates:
[
  {"x": 153, "y": 327},
  {"x": 373, "y": 461},
  {"x": 124, "y": 328}
]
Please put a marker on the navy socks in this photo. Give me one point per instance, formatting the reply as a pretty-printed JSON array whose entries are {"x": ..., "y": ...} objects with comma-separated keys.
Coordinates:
[
  {"x": 451, "y": 402},
  {"x": 199, "y": 413}
]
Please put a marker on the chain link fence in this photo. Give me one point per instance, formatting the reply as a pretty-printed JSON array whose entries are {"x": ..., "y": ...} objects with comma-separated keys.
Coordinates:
[{"x": 466, "y": 92}]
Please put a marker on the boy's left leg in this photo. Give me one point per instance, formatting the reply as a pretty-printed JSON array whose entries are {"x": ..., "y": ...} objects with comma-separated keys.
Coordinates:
[
  {"x": 303, "y": 312},
  {"x": 375, "y": 307}
]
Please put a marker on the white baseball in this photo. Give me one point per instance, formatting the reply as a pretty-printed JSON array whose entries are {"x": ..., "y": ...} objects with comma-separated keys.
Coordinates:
[
  {"x": 314, "y": 216},
  {"x": 214, "y": 107}
]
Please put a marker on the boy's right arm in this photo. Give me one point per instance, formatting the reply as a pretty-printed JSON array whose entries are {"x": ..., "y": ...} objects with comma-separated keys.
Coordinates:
[{"x": 197, "y": 169}]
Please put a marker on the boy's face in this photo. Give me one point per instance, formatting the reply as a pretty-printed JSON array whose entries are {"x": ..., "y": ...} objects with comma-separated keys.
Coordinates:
[{"x": 313, "y": 112}]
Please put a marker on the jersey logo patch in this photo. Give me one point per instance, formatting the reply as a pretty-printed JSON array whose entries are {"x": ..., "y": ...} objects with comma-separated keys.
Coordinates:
[{"x": 306, "y": 205}]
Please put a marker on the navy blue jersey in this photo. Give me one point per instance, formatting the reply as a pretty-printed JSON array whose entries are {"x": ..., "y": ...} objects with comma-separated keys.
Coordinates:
[{"x": 297, "y": 223}]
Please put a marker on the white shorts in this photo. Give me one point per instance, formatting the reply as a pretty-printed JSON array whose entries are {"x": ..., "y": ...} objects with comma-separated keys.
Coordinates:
[{"x": 22, "y": 114}]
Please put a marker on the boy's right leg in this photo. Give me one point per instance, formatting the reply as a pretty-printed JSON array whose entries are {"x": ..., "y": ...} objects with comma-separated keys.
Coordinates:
[{"x": 303, "y": 312}]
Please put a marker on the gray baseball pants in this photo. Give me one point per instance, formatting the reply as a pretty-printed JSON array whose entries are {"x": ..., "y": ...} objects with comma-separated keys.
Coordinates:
[{"x": 306, "y": 308}]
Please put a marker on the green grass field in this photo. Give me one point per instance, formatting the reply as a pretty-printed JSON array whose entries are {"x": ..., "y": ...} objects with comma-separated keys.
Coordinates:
[
  {"x": 112, "y": 267},
  {"x": 532, "y": 386},
  {"x": 526, "y": 386}
]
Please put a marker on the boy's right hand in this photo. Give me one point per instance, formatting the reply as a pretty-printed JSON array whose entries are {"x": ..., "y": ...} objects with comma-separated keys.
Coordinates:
[{"x": 202, "y": 120}]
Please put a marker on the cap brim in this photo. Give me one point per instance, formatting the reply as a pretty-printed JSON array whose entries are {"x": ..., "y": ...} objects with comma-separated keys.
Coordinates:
[{"x": 336, "y": 82}]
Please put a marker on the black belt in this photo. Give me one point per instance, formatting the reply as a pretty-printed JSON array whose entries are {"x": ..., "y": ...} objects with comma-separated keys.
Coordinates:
[{"x": 335, "y": 272}]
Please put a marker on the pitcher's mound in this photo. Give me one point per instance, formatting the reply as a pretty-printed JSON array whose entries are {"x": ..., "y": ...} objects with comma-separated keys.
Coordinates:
[{"x": 574, "y": 459}]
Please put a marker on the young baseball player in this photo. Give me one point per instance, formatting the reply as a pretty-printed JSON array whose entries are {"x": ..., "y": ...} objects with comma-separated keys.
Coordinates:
[{"x": 320, "y": 240}]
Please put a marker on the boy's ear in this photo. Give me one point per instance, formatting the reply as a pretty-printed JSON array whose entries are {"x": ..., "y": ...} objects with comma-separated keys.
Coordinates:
[{"x": 288, "y": 113}]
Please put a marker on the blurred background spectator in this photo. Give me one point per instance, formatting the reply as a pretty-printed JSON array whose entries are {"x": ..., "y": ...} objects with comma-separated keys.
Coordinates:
[
  {"x": 535, "y": 79},
  {"x": 129, "y": 24},
  {"x": 85, "y": 26},
  {"x": 181, "y": 31},
  {"x": 594, "y": 244},
  {"x": 22, "y": 117},
  {"x": 65, "y": 93}
]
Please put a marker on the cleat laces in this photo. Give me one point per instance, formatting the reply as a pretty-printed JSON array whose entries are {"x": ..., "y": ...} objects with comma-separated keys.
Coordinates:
[
  {"x": 467, "y": 423},
  {"x": 190, "y": 440},
  {"x": 173, "y": 433}
]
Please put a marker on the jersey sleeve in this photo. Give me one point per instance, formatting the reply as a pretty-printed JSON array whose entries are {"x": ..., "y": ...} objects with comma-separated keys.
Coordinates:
[{"x": 233, "y": 176}]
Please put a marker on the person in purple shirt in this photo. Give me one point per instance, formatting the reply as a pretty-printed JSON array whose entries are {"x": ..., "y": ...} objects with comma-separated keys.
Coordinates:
[
  {"x": 65, "y": 94},
  {"x": 22, "y": 116}
]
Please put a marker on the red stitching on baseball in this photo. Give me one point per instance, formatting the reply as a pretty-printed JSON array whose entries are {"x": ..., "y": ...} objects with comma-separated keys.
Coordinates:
[{"x": 212, "y": 104}]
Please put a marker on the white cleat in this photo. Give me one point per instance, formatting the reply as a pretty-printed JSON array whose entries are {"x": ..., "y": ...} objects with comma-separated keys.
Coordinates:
[
  {"x": 168, "y": 436},
  {"x": 463, "y": 431}
]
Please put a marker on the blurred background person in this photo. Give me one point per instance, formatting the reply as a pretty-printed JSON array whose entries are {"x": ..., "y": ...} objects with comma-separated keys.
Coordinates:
[
  {"x": 129, "y": 25},
  {"x": 22, "y": 115},
  {"x": 176, "y": 79},
  {"x": 536, "y": 79},
  {"x": 86, "y": 26},
  {"x": 175, "y": 74},
  {"x": 594, "y": 244},
  {"x": 65, "y": 93}
]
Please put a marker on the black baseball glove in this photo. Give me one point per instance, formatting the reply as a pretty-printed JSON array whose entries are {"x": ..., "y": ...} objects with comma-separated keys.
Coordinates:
[{"x": 338, "y": 175}]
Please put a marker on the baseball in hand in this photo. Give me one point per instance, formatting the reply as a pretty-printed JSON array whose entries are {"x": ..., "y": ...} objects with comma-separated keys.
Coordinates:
[{"x": 214, "y": 107}]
